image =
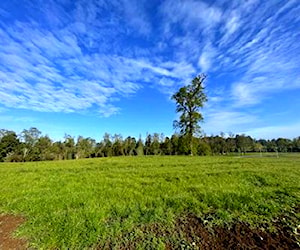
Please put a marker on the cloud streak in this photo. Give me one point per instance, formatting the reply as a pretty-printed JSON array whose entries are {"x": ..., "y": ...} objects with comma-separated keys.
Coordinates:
[
  {"x": 88, "y": 55},
  {"x": 50, "y": 70}
]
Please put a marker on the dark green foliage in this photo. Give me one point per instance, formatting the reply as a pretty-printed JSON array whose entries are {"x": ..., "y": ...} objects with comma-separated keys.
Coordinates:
[
  {"x": 155, "y": 145},
  {"x": 140, "y": 147},
  {"x": 31, "y": 145},
  {"x": 166, "y": 146},
  {"x": 69, "y": 147},
  {"x": 244, "y": 143},
  {"x": 203, "y": 148},
  {"x": 117, "y": 147},
  {"x": 29, "y": 138},
  {"x": 184, "y": 145},
  {"x": 129, "y": 146},
  {"x": 283, "y": 145},
  {"x": 44, "y": 149},
  {"x": 107, "y": 145},
  {"x": 85, "y": 147},
  {"x": 9, "y": 145},
  {"x": 189, "y": 100}
]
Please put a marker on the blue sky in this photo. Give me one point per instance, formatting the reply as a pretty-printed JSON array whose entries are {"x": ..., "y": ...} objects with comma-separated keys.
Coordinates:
[{"x": 89, "y": 67}]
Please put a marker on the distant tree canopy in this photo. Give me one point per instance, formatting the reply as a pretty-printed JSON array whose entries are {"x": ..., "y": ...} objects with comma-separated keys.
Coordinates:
[{"x": 31, "y": 145}]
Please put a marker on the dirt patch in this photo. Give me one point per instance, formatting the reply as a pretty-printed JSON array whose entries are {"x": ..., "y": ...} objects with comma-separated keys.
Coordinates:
[
  {"x": 238, "y": 236},
  {"x": 192, "y": 232},
  {"x": 8, "y": 224}
]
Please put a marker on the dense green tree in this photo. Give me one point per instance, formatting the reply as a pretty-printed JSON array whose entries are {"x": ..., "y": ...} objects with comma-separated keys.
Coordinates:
[
  {"x": 271, "y": 145},
  {"x": 129, "y": 146},
  {"x": 175, "y": 144},
  {"x": 117, "y": 146},
  {"x": 9, "y": 146},
  {"x": 230, "y": 145},
  {"x": 258, "y": 147},
  {"x": 69, "y": 147},
  {"x": 216, "y": 144},
  {"x": 31, "y": 146},
  {"x": 166, "y": 146},
  {"x": 184, "y": 145},
  {"x": 85, "y": 147},
  {"x": 244, "y": 143},
  {"x": 155, "y": 145},
  {"x": 58, "y": 150},
  {"x": 29, "y": 138},
  {"x": 43, "y": 149},
  {"x": 283, "y": 144},
  {"x": 296, "y": 144},
  {"x": 99, "y": 149},
  {"x": 107, "y": 145},
  {"x": 189, "y": 100},
  {"x": 203, "y": 148},
  {"x": 147, "y": 147},
  {"x": 139, "y": 147}
]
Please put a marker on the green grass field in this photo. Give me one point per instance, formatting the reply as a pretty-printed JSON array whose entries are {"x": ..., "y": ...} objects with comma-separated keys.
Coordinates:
[{"x": 108, "y": 201}]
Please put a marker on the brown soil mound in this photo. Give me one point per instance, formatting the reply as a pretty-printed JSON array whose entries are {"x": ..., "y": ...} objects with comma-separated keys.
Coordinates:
[
  {"x": 191, "y": 232},
  {"x": 8, "y": 224},
  {"x": 239, "y": 236}
]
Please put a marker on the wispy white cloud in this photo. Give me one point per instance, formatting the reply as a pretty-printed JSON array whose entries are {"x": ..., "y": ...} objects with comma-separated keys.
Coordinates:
[
  {"x": 263, "y": 49},
  {"x": 190, "y": 14},
  {"x": 271, "y": 132},
  {"x": 83, "y": 56},
  {"x": 137, "y": 16},
  {"x": 258, "y": 55},
  {"x": 227, "y": 121},
  {"x": 232, "y": 24},
  {"x": 50, "y": 69},
  {"x": 207, "y": 57},
  {"x": 19, "y": 119}
]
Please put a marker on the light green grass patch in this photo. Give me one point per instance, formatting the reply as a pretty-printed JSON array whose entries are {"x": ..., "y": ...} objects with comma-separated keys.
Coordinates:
[{"x": 83, "y": 203}]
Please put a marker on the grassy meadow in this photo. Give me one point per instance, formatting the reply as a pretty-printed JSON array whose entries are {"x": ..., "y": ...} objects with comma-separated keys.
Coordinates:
[{"x": 108, "y": 202}]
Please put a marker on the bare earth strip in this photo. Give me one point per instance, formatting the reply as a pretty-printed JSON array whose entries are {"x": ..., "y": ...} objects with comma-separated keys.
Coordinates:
[{"x": 8, "y": 224}]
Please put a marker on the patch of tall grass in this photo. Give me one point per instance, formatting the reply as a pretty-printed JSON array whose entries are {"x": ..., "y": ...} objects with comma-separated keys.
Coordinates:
[{"x": 95, "y": 202}]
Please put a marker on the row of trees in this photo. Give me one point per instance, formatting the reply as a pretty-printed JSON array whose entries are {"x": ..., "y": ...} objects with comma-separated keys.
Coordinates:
[{"x": 31, "y": 145}]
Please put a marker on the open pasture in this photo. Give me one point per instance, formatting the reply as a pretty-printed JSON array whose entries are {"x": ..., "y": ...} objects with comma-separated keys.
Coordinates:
[{"x": 137, "y": 202}]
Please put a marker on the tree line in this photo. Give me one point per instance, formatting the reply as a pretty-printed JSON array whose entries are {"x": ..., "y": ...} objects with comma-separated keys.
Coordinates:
[{"x": 31, "y": 145}]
